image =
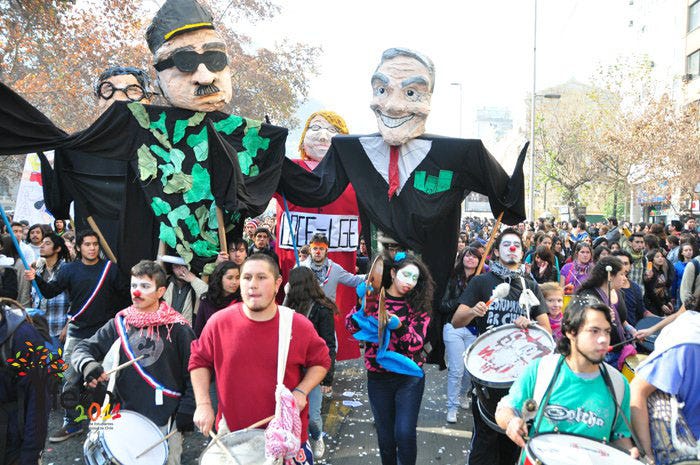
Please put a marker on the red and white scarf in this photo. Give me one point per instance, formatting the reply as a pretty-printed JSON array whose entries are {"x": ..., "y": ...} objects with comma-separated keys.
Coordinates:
[{"x": 164, "y": 316}]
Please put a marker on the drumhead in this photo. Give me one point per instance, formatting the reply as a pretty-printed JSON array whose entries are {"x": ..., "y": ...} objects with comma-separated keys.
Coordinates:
[
  {"x": 130, "y": 435},
  {"x": 247, "y": 446},
  {"x": 567, "y": 449},
  {"x": 499, "y": 356}
]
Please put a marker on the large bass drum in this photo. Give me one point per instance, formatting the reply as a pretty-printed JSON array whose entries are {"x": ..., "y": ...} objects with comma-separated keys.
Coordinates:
[
  {"x": 246, "y": 446},
  {"x": 497, "y": 358},
  {"x": 569, "y": 449}
]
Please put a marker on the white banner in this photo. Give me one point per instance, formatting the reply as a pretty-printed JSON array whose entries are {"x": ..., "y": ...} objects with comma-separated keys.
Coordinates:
[
  {"x": 30, "y": 196},
  {"x": 342, "y": 231}
]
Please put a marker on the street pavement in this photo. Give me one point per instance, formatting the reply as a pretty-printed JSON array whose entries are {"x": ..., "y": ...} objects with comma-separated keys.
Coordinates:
[{"x": 350, "y": 434}]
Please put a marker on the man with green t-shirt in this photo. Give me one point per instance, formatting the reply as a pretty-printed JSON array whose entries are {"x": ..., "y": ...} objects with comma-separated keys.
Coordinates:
[{"x": 586, "y": 395}]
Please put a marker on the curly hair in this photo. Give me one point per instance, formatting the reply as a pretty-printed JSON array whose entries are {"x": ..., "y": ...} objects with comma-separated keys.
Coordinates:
[
  {"x": 305, "y": 290},
  {"x": 215, "y": 293},
  {"x": 420, "y": 298},
  {"x": 332, "y": 117}
]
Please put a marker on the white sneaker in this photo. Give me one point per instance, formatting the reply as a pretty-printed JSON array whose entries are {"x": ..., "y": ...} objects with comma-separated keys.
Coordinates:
[
  {"x": 318, "y": 448},
  {"x": 452, "y": 416},
  {"x": 464, "y": 402}
]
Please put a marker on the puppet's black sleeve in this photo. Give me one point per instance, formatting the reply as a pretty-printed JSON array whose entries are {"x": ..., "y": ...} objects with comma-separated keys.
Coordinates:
[{"x": 314, "y": 188}]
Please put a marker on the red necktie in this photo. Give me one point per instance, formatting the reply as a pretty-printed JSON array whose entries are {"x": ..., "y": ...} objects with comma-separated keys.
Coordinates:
[{"x": 393, "y": 169}]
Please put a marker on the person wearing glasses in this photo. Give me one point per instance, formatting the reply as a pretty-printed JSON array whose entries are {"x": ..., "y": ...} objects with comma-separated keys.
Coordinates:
[{"x": 122, "y": 83}]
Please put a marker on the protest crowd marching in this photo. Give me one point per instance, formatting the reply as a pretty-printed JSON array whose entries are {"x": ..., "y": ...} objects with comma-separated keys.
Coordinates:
[{"x": 187, "y": 310}]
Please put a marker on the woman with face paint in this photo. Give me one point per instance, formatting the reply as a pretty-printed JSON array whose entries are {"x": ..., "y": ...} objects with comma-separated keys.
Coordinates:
[
  {"x": 575, "y": 273},
  {"x": 457, "y": 340},
  {"x": 395, "y": 398}
]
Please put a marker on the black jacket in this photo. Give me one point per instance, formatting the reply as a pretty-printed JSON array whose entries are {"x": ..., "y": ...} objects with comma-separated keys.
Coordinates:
[{"x": 322, "y": 318}]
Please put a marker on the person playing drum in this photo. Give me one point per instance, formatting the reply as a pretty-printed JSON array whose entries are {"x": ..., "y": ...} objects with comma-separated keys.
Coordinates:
[
  {"x": 158, "y": 385},
  {"x": 574, "y": 391},
  {"x": 240, "y": 346},
  {"x": 488, "y": 446},
  {"x": 673, "y": 368}
]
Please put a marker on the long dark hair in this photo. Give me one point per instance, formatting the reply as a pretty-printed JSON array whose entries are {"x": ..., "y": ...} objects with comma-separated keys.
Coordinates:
[
  {"x": 215, "y": 294},
  {"x": 8, "y": 247},
  {"x": 420, "y": 298},
  {"x": 458, "y": 270},
  {"x": 304, "y": 290},
  {"x": 599, "y": 276},
  {"x": 575, "y": 317}
]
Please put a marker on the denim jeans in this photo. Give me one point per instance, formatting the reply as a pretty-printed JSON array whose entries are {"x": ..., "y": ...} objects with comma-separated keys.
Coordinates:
[
  {"x": 395, "y": 400},
  {"x": 457, "y": 341},
  {"x": 315, "y": 420}
]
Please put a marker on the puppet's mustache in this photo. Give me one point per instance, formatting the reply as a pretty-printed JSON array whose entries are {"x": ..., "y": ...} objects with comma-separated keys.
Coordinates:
[{"x": 206, "y": 90}]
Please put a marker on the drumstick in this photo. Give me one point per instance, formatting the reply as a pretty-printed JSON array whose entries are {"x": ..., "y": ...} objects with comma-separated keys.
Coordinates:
[
  {"x": 499, "y": 292},
  {"x": 622, "y": 343},
  {"x": 528, "y": 413},
  {"x": 150, "y": 448},
  {"x": 261, "y": 422},
  {"x": 215, "y": 438},
  {"x": 122, "y": 366}
]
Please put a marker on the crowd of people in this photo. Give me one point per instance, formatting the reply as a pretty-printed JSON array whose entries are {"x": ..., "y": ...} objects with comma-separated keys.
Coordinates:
[{"x": 181, "y": 321}]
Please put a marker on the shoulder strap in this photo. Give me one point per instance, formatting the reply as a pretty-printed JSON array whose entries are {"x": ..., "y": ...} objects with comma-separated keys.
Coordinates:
[
  {"x": 545, "y": 375},
  {"x": 285, "y": 337},
  {"x": 616, "y": 383}
]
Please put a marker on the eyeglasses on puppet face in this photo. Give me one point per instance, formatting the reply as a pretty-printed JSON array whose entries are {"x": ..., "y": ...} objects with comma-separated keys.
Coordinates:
[
  {"x": 133, "y": 92},
  {"x": 187, "y": 61}
]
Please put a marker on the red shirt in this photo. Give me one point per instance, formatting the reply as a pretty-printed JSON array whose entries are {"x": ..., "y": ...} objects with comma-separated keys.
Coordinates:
[{"x": 243, "y": 354}]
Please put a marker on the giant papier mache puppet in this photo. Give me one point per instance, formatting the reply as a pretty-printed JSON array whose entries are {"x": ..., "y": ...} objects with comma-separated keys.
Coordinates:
[
  {"x": 146, "y": 172},
  {"x": 409, "y": 184}
]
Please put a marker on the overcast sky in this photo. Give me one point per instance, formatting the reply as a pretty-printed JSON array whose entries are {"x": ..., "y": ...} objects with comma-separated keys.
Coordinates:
[{"x": 484, "y": 45}]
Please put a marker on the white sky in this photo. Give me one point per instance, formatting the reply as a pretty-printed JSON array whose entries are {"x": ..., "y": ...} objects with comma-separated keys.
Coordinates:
[{"x": 486, "y": 45}]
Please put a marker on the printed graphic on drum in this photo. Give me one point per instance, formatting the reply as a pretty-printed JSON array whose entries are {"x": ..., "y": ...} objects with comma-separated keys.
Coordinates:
[
  {"x": 127, "y": 438},
  {"x": 246, "y": 446},
  {"x": 566, "y": 449},
  {"x": 500, "y": 355}
]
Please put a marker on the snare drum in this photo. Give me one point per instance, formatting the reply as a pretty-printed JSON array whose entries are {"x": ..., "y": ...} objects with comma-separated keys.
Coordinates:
[
  {"x": 497, "y": 358},
  {"x": 631, "y": 364},
  {"x": 568, "y": 449},
  {"x": 119, "y": 441},
  {"x": 247, "y": 447}
]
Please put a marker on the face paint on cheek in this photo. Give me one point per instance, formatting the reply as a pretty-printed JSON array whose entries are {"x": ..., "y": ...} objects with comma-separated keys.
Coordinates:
[{"x": 408, "y": 276}]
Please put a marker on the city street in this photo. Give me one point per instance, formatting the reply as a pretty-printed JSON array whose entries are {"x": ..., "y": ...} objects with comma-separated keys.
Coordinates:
[{"x": 351, "y": 438}]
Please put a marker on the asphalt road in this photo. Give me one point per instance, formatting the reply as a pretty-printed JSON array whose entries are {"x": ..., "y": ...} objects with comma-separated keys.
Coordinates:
[{"x": 350, "y": 434}]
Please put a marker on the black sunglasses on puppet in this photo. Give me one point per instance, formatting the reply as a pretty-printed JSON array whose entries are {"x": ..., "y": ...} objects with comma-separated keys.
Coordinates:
[
  {"x": 133, "y": 92},
  {"x": 187, "y": 61}
]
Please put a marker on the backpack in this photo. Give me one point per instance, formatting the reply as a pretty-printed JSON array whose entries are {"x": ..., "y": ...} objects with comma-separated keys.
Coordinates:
[{"x": 35, "y": 318}]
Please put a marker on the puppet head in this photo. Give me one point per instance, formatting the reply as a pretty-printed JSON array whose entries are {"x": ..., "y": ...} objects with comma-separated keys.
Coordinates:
[
  {"x": 316, "y": 138},
  {"x": 122, "y": 83},
  {"x": 402, "y": 86},
  {"x": 190, "y": 57}
]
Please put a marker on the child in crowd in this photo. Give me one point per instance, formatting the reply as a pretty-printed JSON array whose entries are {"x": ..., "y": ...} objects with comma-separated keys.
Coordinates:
[{"x": 554, "y": 298}]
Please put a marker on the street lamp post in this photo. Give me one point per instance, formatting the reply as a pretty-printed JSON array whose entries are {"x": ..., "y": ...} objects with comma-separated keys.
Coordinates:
[{"x": 459, "y": 84}]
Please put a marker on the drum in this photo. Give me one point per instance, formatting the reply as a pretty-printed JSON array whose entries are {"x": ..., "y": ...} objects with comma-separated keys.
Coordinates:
[
  {"x": 246, "y": 446},
  {"x": 568, "y": 449},
  {"x": 645, "y": 323},
  {"x": 684, "y": 450},
  {"x": 630, "y": 366},
  {"x": 497, "y": 358},
  {"x": 119, "y": 441}
]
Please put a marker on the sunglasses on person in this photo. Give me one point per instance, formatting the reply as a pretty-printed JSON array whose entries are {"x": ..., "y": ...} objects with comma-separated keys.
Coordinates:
[
  {"x": 187, "y": 61},
  {"x": 133, "y": 92}
]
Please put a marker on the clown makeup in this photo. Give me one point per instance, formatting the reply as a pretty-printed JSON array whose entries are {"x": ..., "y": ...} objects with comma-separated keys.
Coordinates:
[
  {"x": 317, "y": 139},
  {"x": 401, "y": 89},
  {"x": 510, "y": 251},
  {"x": 144, "y": 295},
  {"x": 193, "y": 73},
  {"x": 406, "y": 279}
]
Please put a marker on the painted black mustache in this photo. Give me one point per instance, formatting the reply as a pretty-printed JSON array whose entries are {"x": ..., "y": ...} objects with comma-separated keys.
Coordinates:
[{"x": 206, "y": 90}]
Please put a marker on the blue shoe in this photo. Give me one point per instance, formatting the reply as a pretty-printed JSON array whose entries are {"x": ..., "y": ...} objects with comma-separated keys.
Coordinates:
[{"x": 66, "y": 432}]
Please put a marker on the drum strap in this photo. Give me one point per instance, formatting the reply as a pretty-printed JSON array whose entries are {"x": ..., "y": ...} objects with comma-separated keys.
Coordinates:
[
  {"x": 547, "y": 369},
  {"x": 614, "y": 392}
]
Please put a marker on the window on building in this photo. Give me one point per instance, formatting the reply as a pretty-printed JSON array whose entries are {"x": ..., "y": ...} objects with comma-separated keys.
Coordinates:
[
  {"x": 693, "y": 67},
  {"x": 694, "y": 16}
]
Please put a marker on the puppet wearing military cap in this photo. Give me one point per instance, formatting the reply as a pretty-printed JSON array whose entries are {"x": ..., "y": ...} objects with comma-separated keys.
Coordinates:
[{"x": 190, "y": 57}]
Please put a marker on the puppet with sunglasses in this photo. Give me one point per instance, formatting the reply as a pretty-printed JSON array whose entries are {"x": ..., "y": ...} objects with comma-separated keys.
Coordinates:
[{"x": 158, "y": 174}]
